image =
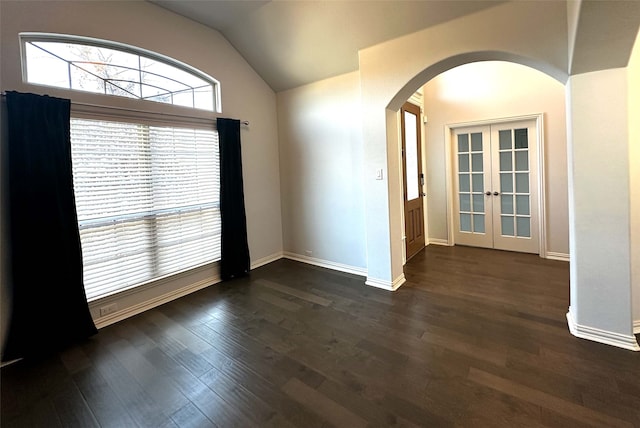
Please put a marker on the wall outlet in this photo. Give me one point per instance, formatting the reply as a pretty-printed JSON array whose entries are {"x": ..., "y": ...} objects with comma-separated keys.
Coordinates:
[{"x": 109, "y": 309}]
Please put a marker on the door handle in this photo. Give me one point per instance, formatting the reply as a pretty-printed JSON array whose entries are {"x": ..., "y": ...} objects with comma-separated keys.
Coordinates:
[
  {"x": 496, "y": 193},
  {"x": 488, "y": 193},
  {"x": 423, "y": 194}
]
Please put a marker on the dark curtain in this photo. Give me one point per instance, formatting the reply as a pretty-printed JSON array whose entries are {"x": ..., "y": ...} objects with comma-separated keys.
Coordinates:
[
  {"x": 235, "y": 249},
  {"x": 49, "y": 305}
]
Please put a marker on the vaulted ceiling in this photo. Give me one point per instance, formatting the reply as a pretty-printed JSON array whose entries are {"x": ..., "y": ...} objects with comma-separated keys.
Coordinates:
[
  {"x": 291, "y": 43},
  {"x": 294, "y": 42}
]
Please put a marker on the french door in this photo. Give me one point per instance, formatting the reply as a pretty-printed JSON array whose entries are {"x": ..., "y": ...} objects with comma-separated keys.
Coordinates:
[{"x": 496, "y": 186}]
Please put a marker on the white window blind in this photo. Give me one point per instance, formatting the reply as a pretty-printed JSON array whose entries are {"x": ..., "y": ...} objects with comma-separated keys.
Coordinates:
[{"x": 147, "y": 199}]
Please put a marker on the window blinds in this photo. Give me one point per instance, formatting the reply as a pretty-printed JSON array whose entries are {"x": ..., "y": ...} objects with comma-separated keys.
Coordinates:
[{"x": 147, "y": 199}]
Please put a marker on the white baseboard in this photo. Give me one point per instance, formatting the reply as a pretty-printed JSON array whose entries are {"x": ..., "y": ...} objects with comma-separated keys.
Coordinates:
[
  {"x": 325, "y": 264},
  {"x": 386, "y": 285},
  {"x": 437, "y": 241},
  {"x": 266, "y": 260},
  {"x": 563, "y": 257},
  {"x": 6, "y": 363},
  {"x": 636, "y": 327},
  {"x": 146, "y": 305},
  {"x": 151, "y": 303},
  {"x": 602, "y": 336}
]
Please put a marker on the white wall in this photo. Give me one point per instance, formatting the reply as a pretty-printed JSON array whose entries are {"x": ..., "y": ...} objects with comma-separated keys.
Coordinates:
[
  {"x": 597, "y": 141},
  {"x": 321, "y": 155},
  {"x": 390, "y": 72},
  {"x": 599, "y": 205},
  {"x": 491, "y": 90},
  {"x": 633, "y": 72},
  {"x": 244, "y": 94}
]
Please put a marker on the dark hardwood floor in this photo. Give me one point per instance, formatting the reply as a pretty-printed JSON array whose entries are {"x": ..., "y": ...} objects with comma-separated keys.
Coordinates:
[{"x": 475, "y": 338}]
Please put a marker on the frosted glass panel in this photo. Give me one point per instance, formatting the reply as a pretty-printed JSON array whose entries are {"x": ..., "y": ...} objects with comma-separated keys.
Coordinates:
[
  {"x": 463, "y": 143},
  {"x": 476, "y": 162},
  {"x": 411, "y": 155},
  {"x": 524, "y": 226},
  {"x": 478, "y": 223},
  {"x": 478, "y": 203},
  {"x": 506, "y": 204},
  {"x": 464, "y": 182},
  {"x": 507, "y": 226},
  {"x": 463, "y": 163},
  {"x": 522, "y": 141},
  {"x": 465, "y": 222},
  {"x": 506, "y": 182},
  {"x": 505, "y": 161},
  {"x": 476, "y": 142},
  {"x": 477, "y": 182},
  {"x": 465, "y": 202},
  {"x": 505, "y": 139},
  {"x": 522, "y": 161},
  {"x": 522, "y": 205},
  {"x": 522, "y": 183}
]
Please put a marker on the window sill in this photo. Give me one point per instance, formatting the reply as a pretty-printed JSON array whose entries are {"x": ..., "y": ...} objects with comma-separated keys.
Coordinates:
[{"x": 114, "y": 308}]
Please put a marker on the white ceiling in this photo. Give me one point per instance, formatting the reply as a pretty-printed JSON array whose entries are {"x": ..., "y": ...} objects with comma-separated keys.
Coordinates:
[{"x": 291, "y": 43}]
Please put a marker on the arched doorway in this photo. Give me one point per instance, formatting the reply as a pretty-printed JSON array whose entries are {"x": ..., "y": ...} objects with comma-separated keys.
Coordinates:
[
  {"x": 481, "y": 93},
  {"x": 389, "y": 73}
]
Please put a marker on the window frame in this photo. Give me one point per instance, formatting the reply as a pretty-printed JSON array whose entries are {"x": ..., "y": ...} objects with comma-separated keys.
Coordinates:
[
  {"x": 89, "y": 105},
  {"x": 105, "y": 99}
]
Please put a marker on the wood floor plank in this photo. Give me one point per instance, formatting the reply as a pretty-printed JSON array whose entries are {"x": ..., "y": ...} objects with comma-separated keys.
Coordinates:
[
  {"x": 310, "y": 297},
  {"x": 159, "y": 388},
  {"x": 239, "y": 397},
  {"x": 621, "y": 409},
  {"x": 208, "y": 402},
  {"x": 375, "y": 414},
  {"x": 287, "y": 408},
  {"x": 568, "y": 409},
  {"x": 105, "y": 404},
  {"x": 189, "y": 416},
  {"x": 71, "y": 407},
  {"x": 285, "y": 304},
  {"x": 490, "y": 355},
  {"x": 40, "y": 413},
  {"x": 415, "y": 413},
  {"x": 323, "y": 406},
  {"x": 474, "y": 338},
  {"x": 142, "y": 408}
]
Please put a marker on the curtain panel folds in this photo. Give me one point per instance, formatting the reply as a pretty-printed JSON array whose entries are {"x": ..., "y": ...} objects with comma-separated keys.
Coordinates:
[
  {"x": 49, "y": 308},
  {"x": 234, "y": 261}
]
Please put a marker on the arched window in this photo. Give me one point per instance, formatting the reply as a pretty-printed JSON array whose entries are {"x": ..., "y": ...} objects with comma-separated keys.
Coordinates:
[
  {"x": 146, "y": 183},
  {"x": 112, "y": 68}
]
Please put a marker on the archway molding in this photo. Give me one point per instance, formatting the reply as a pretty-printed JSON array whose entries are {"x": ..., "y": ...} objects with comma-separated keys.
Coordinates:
[{"x": 446, "y": 64}]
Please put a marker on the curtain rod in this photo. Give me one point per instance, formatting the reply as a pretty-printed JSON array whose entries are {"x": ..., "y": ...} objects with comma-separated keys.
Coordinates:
[{"x": 242, "y": 122}]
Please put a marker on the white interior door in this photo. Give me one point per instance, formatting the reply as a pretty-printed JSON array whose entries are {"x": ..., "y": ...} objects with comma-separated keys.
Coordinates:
[
  {"x": 474, "y": 218},
  {"x": 496, "y": 186},
  {"x": 515, "y": 180}
]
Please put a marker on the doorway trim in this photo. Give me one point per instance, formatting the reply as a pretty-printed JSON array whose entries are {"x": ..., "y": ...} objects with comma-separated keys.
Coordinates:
[{"x": 542, "y": 222}]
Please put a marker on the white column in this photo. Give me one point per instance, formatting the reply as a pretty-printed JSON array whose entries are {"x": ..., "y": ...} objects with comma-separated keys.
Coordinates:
[
  {"x": 384, "y": 250},
  {"x": 599, "y": 208}
]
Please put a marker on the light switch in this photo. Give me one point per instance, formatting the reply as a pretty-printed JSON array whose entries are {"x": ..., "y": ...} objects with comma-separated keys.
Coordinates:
[{"x": 379, "y": 174}]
